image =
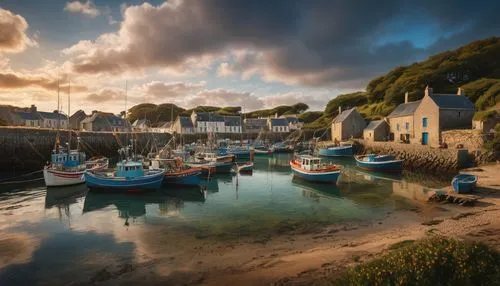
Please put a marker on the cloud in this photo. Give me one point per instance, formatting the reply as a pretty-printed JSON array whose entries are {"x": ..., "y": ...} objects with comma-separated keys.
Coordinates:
[
  {"x": 88, "y": 8},
  {"x": 12, "y": 80},
  {"x": 13, "y": 38},
  {"x": 310, "y": 43},
  {"x": 222, "y": 97},
  {"x": 106, "y": 95}
]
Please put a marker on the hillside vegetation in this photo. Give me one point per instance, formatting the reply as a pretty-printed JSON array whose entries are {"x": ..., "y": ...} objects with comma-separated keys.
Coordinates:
[{"x": 474, "y": 67}]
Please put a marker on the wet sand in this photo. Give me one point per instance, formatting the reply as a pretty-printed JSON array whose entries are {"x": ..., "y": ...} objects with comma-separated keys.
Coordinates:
[{"x": 299, "y": 257}]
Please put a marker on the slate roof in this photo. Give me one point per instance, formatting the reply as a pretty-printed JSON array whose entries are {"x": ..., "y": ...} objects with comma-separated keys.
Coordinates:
[
  {"x": 209, "y": 116},
  {"x": 343, "y": 115},
  {"x": 27, "y": 115},
  {"x": 255, "y": 123},
  {"x": 374, "y": 124},
  {"x": 141, "y": 123},
  {"x": 452, "y": 101},
  {"x": 112, "y": 119},
  {"x": 292, "y": 120},
  {"x": 405, "y": 109},
  {"x": 52, "y": 115},
  {"x": 279, "y": 122},
  {"x": 232, "y": 121},
  {"x": 186, "y": 122}
]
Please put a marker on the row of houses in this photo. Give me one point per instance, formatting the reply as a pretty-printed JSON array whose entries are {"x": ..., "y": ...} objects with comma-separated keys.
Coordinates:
[
  {"x": 416, "y": 122},
  {"x": 210, "y": 122},
  {"x": 31, "y": 117}
]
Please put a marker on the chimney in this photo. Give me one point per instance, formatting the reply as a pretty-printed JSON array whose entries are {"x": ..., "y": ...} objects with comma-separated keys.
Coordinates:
[
  {"x": 460, "y": 91},
  {"x": 428, "y": 91},
  {"x": 276, "y": 115},
  {"x": 33, "y": 108},
  {"x": 406, "y": 97},
  {"x": 340, "y": 109}
]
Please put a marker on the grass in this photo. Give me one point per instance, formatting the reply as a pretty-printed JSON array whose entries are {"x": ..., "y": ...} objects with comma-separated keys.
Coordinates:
[{"x": 433, "y": 261}]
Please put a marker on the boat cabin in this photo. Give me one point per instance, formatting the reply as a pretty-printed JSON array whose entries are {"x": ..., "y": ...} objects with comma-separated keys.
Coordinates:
[
  {"x": 129, "y": 169},
  {"x": 73, "y": 159},
  {"x": 310, "y": 163}
]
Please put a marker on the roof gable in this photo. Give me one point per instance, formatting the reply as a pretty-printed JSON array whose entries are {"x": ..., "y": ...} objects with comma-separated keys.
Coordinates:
[
  {"x": 374, "y": 124},
  {"x": 185, "y": 122}
]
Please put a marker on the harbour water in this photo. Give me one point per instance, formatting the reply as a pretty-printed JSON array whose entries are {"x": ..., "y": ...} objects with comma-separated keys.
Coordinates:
[{"x": 62, "y": 235}]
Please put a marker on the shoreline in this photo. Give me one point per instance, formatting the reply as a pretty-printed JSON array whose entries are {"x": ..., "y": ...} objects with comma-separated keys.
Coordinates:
[{"x": 304, "y": 259}]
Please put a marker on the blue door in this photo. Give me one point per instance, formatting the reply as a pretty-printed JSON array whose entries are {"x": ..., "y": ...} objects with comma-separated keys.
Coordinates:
[{"x": 425, "y": 138}]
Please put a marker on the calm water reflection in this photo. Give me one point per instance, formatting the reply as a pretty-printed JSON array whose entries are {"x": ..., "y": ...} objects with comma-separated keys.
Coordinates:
[{"x": 57, "y": 230}]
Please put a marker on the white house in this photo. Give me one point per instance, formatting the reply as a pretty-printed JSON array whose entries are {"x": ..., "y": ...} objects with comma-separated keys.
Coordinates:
[
  {"x": 232, "y": 124},
  {"x": 278, "y": 125},
  {"x": 204, "y": 122}
]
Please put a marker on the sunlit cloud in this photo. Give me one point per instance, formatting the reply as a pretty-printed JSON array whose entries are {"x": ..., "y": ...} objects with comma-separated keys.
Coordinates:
[
  {"x": 86, "y": 8},
  {"x": 13, "y": 38}
]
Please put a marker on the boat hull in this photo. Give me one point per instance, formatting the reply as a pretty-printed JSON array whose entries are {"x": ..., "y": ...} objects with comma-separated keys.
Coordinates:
[
  {"x": 223, "y": 167},
  {"x": 263, "y": 152},
  {"x": 336, "y": 151},
  {"x": 330, "y": 177},
  {"x": 146, "y": 182},
  {"x": 55, "y": 178},
  {"x": 186, "y": 178},
  {"x": 393, "y": 166}
]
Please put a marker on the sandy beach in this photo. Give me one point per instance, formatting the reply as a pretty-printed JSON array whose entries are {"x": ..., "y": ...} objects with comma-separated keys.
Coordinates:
[{"x": 304, "y": 257}]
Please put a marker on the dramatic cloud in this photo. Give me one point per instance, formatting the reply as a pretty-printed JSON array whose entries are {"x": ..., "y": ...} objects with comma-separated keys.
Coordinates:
[
  {"x": 170, "y": 91},
  {"x": 13, "y": 80},
  {"x": 106, "y": 95},
  {"x": 221, "y": 97},
  {"x": 13, "y": 38},
  {"x": 314, "y": 101},
  {"x": 88, "y": 8}
]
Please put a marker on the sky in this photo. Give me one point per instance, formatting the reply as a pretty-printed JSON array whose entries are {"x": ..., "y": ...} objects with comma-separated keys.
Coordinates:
[{"x": 255, "y": 54}]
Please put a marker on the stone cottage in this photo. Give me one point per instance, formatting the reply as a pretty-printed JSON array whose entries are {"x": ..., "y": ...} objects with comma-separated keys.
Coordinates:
[
  {"x": 401, "y": 121},
  {"x": 76, "y": 119},
  {"x": 377, "y": 130},
  {"x": 348, "y": 124},
  {"x": 104, "y": 122},
  {"x": 438, "y": 112}
]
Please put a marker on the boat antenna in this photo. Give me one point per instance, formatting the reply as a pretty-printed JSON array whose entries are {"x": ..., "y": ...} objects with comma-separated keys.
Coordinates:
[
  {"x": 126, "y": 87},
  {"x": 58, "y": 103}
]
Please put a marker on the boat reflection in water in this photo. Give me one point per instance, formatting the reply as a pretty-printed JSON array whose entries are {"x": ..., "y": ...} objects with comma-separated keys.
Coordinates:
[
  {"x": 64, "y": 197},
  {"x": 170, "y": 202},
  {"x": 313, "y": 190}
]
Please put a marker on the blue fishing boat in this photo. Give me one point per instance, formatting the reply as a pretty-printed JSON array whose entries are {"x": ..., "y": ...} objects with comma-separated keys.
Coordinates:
[
  {"x": 238, "y": 152},
  {"x": 464, "y": 183},
  {"x": 129, "y": 175},
  {"x": 379, "y": 163},
  {"x": 176, "y": 172},
  {"x": 336, "y": 151},
  {"x": 311, "y": 169}
]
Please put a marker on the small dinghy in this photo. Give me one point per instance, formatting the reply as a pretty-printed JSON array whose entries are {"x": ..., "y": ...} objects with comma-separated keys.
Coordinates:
[
  {"x": 262, "y": 151},
  {"x": 245, "y": 167},
  {"x": 311, "y": 169},
  {"x": 336, "y": 151},
  {"x": 379, "y": 163},
  {"x": 464, "y": 183}
]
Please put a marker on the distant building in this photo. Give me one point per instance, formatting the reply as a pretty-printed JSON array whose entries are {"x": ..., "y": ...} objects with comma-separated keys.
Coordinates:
[
  {"x": 53, "y": 120},
  {"x": 294, "y": 123},
  {"x": 141, "y": 125},
  {"x": 278, "y": 125},
  {"x": 232, "y": 124},
  {"x": 162, "y": 127},
  {"x": 439, "y": 112},
  {"x": 76, "y": 119},
  {"x": 204, "y": 122},
  {"x": 401, "y": 121},
  {"x": 183, "y": 125},
  {"x": 348, "y": 124},
  {"x": 255, "y": 125},
  {"x": 28, "y": 119},
  {"x": 104, "y": 122},
  {"x": 377, "y": 130}
]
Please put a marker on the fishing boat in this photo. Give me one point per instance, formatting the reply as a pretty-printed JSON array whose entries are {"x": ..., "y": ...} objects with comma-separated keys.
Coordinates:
[
  {"x": 222, "y": 163},
  {"x": 281, "y": 147},
  {"x": 311, "y": 169},
  {"x": 464, "y": 183},
  {"x": 239, "y": 152},
  {"x": 67, "y": 167},
  {"x": 336, "y": 151},
  {"x": 245, "y": 167},
  {"x": 176, "y": 172},
  {"x": 262, "y": 150},
  {"x": 379, "y": 163}
]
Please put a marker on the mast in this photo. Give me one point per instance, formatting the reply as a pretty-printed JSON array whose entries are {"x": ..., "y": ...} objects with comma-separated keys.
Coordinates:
[
  {"x": 58, "y": 104},
  {"x": 67, "y": 115}
]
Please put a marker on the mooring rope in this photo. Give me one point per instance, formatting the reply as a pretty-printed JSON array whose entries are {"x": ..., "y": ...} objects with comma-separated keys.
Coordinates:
[{"x": 23, "y": 175}]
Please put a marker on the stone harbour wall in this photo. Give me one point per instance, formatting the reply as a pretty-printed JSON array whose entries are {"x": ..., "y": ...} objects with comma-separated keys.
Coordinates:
[
  {"x": 23, "y": 149},
  {"x": 421, "y": 158},
  {"x": 470, "y": 139}
]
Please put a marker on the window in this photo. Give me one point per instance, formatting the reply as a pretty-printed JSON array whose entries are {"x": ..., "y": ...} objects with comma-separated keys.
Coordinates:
[
  {"x": 407, "y": 126},
  {"x": 397, "y": 127},
  {"x": 459, "y": 115},
  {"x": 424, "y": 122}
]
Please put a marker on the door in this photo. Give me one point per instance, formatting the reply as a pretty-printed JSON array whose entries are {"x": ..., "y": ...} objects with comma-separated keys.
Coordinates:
[{"x": 425, "y": 138}]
